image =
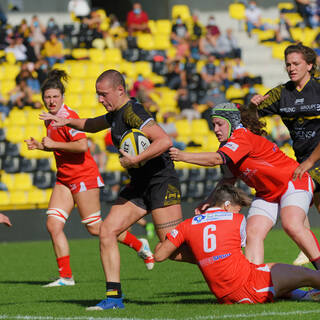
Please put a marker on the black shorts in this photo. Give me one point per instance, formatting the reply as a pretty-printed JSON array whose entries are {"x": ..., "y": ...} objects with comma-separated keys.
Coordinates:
[
  {"x": 157, "y": 192},
  {"x": 315, "y": 175}
]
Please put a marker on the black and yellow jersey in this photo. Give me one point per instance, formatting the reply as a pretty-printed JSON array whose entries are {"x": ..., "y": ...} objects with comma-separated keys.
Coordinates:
[
  {"x": 300, "y": 112},
  {"x": 134, "y": 115}
]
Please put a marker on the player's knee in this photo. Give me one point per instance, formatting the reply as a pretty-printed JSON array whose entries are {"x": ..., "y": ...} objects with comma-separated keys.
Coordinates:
[
  {"x": 56, "y": 220},
  {"x": 292, "y": 229},
  {"x": 93, "y": 222}
]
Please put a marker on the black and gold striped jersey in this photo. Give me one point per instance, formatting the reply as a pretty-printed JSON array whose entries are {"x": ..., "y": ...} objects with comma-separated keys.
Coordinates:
[{"x": 300, "y": 112}]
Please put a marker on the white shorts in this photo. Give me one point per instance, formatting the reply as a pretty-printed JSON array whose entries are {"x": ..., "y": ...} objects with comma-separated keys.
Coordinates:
[{"x": 292, "y": 197}]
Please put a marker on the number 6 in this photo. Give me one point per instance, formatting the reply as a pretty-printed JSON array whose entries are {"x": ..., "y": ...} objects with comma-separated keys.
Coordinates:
[{"x": 209, "y": 240}]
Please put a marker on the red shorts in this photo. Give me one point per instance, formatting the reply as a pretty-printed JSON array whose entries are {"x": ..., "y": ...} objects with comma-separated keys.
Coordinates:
[
  {"x": 258, "y": 288},
  {"x": 86, "y": 184}
]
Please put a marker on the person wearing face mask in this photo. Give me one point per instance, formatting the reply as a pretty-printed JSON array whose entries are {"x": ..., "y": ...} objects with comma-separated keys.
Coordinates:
[
  {"x": 137, "y": 20},
  {"x": 212, "y": 27},
  {"x": 179, "y": 32},
  {"x": 52, "y": 27},
  {"x": 253, "y": 17},
  {"x": 245, "y": 154}
]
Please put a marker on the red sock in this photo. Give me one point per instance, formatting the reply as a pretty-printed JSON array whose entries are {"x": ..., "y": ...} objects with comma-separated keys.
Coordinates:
[
  {"x": 64, "y": 267},
  {"x": 132, "y": 241}
]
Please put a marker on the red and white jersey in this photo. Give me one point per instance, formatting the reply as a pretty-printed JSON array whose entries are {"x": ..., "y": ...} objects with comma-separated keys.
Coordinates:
[
  {"x": 71, "y": 167},
  {"x": 259, "y": 163},
  {"x": 215, "y": 239}
]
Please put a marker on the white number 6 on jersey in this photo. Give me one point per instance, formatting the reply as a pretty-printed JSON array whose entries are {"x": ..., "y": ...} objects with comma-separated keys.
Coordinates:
[{"x": 209, "y": 239}]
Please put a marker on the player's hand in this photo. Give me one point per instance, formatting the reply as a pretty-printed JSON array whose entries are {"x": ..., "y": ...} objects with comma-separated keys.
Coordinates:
[
  {"x": 126, "y": 160},
  {"x": 176, "y": 154},
  {"x": 48, "y": 143},
  {"x": 258, "y": 98},
  {"x": 33, "y": 144},
  {"x": 57, "y": 121},
  {"x": 303, "y": 167},
  {"x": 4, "y": 219},
  {"x": 202, "y": 207}
]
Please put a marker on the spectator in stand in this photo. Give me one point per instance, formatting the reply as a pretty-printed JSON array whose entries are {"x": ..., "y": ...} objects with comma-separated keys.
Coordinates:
[
  {"x": 207, "y": 45},
  {"x": 197, "y": 27},
  {"x": 52, "y": 27},
  {"x": 80, "y": 8},
  {"x": 227, "y": 45},
  {"x": 41, "y": 67},
  {"x": 23, "y": 29},
  {"x": 37, "y": 34},
  {"x": 211, "y": 74},
  {"x": 31, "y": 80},
  {"x": 98, "y": 155},
  {"x": 17, "y": 47},
  {"x": 253, "y": 17},
  {"x": 137, "y": 20},
  {"x": 93, "y": 21},
  {"x": 179, "y": 32},
  {"x": 212, "y": 27},
  {"x": 282, "y": 32},
  {"x": 53, "y": 50},
  {"x": 3, "y": 17},
  {"x": 176, "y": 75},
  {"x": 188, "y": 110},
  {"x": 305, "y": 10}
]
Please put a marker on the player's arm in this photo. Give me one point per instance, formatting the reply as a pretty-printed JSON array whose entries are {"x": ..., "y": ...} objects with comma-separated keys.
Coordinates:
[
  {"x": 308, "y": 163},
  {"x": 77, "y": 146},
  {"x": 87, "y": 125},
  {"x": 164, "y": 250},
  {"x": 209, "y": 159},
  {"x": 160, "y": 142}
]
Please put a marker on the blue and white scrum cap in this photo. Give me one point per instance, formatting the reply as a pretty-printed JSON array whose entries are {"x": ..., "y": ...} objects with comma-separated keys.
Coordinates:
[{"x": 229, "y": 112}]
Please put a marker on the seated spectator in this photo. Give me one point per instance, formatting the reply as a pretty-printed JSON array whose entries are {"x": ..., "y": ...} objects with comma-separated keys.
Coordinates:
[
  {"x": 211, "y": 74},
  {"x": 53, "y": 50},
  {"x": 305, "y": 9},
  {"x": 137, "y": 20},
  {"x": 188, "y": 109},
  {"x": 93, "y": 21},
  {"x": 212, "y": 28},
  {"x": 37, "y": 34},
  {"x": 140, "y": 84},
  {"x": 41, "y": 67},
  {"x": 238, "y": 72},
  {"x": 227, "y": 45},
  {"x": 21, "y": 96},
  {"x": 80, "y": 8},
  {"x": 98, "y": 155},
  {"x": 52, "y": 27},
  {"x": 23, "y": 29},
  {"x": 17, "y": 47},
  {"x": 197, "y": 28},
  {"x": 179, "y": 32},
  {"x": 282, "y": 32},
  {"x": 253, "y": 17},
  {"x": 176, "y": 75},
  {"x": 170, "y": 128},
  {"x": 207, "y": 45},
  {"x": 32, "y": 81}
]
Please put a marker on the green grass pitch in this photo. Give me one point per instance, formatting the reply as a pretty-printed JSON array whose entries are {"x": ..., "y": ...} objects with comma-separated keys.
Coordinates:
[{"x": 170, "y": 291}]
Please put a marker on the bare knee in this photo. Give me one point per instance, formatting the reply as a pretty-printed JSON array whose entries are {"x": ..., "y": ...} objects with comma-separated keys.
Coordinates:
[
  {"x": 94, "y": 230},
  {"x": 54, "y": 227},
  {"x": 292, "y": 229}
]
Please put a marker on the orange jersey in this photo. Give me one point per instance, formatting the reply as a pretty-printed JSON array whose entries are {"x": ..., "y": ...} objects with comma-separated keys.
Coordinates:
[
  {"x": 259, "y": 163},
  {"x": 71, "y": 167},
  {"x": 215, "y": 239}
]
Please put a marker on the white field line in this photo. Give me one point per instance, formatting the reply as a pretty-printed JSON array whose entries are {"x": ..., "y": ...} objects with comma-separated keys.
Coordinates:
[{"x": 213, "y": 317}]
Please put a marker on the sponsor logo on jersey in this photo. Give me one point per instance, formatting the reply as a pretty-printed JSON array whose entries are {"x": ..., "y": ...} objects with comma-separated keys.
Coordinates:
[
  {"x": 213, "y": 259},
  {"x": 74, "y": 132},
  {"x": 299, "y": 101},
  {"x": 174, "y": 233},
  {"x": 232, "y": 146},
  {"x": 212, "y": 216}
]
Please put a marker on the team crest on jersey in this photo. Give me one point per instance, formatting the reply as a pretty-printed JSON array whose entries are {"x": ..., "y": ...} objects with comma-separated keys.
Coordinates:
[
  {"x": 73, "y": 132},
  {"x": 174, "y": 233},
  {"x": 232, "y": 146},
  {"x": 299, "y": 101},
  {"x": 212, "y": 216}
]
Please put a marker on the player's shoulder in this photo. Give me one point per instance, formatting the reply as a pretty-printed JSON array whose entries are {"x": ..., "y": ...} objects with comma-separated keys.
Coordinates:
[{"x": 66, "y": 112}]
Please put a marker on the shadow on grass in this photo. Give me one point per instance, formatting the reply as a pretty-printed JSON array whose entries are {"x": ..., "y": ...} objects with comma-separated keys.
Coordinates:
[{"x": 37, "y": 283}]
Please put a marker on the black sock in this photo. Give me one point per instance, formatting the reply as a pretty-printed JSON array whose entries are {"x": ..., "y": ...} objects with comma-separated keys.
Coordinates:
[
  {"x": 316, "y": 263},
  {"x": 113, "y": 289}
]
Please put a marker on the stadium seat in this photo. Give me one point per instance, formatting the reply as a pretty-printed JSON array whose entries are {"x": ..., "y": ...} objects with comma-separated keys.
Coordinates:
[
  {"x": 43, "y": 179},
  {"x": 15, "y": 134},
  {"x": 182, "y": 11},
  {"x": 144, "y": 68},
  {"x": 43, "y": 164},
  {"x": 97, "y": 55},
  {"x": 4, "y": 198},
  {"x": 36, "y": 197},
  {"x": 278, "y": 50},
  {"x": 89, "y": 100},
  {"x": 32, "y": 117},
  {"x": 213, "y": 174},
  {"x": 113, "y": 163},
  {"x": 197, "y": 174},
  {"x": 28, "y": 165},
  {"x": 22, "y": 181},
  {"x": 113, "y": 55},
  {"x": 234, "y": 93},
  {"x": 161, "y": 42},
  {"x": 80, "y": 53},
  {"x": 112, "y": 177},
  {"x": 200, "y": 127},
  {"x": 11, "y": 164},
  {"x": 237, "y": 12},
  {"x": 195, "y": 190},
  {"x": 183, "y": 174},
  {"x": 18, "y": 198},
  {"x": 183, "y": 128},
  {"x": 34, "y": 131},
  {"x": 93, "y": 71},
  {"x": 72, "y": 100},
  {"x": 145, "y": 41},
  {"x": 2, "y": 134},
  {"x": 77, "y": 71},
  {"x": 10, "y": 71},
  {"x": 285, "y": 5},
  {"x": 164, "y": 27},
  {"x": 6, "y": 87}
]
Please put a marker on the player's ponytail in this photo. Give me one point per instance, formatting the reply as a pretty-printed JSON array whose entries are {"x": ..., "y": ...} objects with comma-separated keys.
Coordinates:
[{"x": 55, "y": 80}]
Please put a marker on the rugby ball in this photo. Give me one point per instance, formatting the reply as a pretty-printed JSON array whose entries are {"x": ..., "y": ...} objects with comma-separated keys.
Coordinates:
[{"x": 134, "y": 142}]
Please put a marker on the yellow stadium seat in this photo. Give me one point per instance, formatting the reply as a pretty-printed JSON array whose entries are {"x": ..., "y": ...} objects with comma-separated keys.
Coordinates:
[
  {"x": 144, "y": 68},
  {"x": 94, "y": 70},
  {"x": 182, "y": 11},
  {"x": 80, "y": 53},
  {"x": 62, "y": 66},
  {"x": 285, "y": 5},
  {"x": 6, "y": 86},
  {"x": 152, "y": 26},
  {"x": 16, "y": 117},
  {"x": 183, "y": 128},
  {"x": 237, "y": 11},
  {"x": 37, "y": 197},
  {"x": 269, "y": 121},
  {"x": 22, "y": 181},
  {"x": 7, "y": 179},
  {"x": 15, "y": 134},
  {"x": 310, "y": 36},
  {"x": 129, "y": 69},
  {"x": 297, "y": 34},
  {"x": 18, "y": 198},
  {"x": 293, "y": 18},
  {"x": 32, "y": 117},
  {"x": 88, "y": 100},
  {"x": 10, "y": 71},
  {"x": 34, "y": 131},
  {"x": 161, "y": 42},
  {"x": 77, "y": 70},
  {"x": 97, "y": 55},
  {"x": 234, "y": 93},
  {"x": 90, "y": 85},
  {"x": 75, "y": 86},
  {"x": 113, "y": 55},
  {"x": 212, "y": 143},
  {"x": 113, "y": 163},
  {"x": 200, "y": 127},
  {"x": 4, "y": 198},
  {"x": 11, "y": 58},
  {"x": 99, "y": 44},
  {"x": 163, "y": 26},
  {"x": 278, "y": 50},
  {"x": 72, "y": 100},
  {"x": 265, "y": 34},
  {"x": 145, "y": 41}
]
